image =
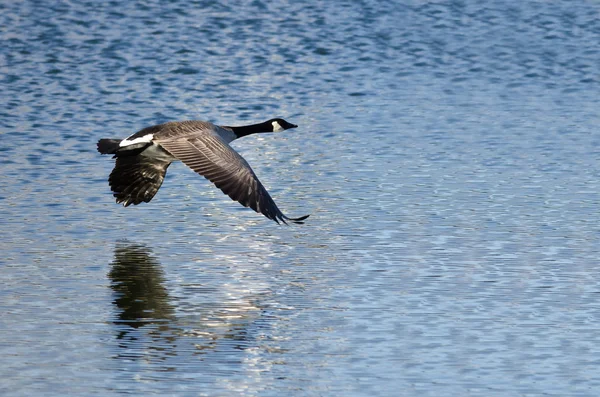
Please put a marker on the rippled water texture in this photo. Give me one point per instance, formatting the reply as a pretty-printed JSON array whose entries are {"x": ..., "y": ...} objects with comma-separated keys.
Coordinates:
[{"x": 448, "y": 153}]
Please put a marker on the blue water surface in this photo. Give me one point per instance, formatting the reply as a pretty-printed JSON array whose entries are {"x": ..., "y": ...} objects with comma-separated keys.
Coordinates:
[{"x": 448, "y": 153}]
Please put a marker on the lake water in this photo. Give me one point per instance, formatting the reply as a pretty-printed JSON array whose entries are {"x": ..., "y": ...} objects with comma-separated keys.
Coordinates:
[{"x": 448, "y": 153}]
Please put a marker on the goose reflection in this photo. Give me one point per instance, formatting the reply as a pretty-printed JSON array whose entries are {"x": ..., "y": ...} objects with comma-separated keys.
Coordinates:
[
  {"x": 198, "y": 318},
  {"x": 141, "y": 299}
]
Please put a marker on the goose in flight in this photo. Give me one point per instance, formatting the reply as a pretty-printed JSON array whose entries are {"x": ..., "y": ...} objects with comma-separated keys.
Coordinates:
[{"x": 143, "y": 158}]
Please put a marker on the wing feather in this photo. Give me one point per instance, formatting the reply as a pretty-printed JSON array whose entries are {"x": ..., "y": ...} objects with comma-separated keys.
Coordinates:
[
  {"x": 211, "y": 157},
  {"x": 136, "y": 179}
]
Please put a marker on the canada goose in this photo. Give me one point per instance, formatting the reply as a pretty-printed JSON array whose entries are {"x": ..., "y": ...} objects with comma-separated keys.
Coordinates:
[{"x": 143, "y": 159}]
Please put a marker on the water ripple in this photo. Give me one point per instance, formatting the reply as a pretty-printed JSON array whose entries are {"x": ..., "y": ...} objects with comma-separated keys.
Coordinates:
[{"x": 447, "y": 152}]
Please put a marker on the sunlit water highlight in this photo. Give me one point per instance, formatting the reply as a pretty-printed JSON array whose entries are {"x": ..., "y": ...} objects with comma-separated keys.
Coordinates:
[{"x": 448, "y": 153}]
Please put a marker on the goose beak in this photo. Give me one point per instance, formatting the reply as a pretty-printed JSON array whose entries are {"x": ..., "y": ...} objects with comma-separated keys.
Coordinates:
[{"x": 293, "y": 126}]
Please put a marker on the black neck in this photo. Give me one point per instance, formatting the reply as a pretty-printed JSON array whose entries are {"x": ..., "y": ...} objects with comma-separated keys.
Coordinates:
[{"x": 250, "y": 129}]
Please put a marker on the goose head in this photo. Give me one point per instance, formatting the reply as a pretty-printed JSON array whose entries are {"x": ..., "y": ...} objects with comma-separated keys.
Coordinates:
[{"x": 279, "y": 125}]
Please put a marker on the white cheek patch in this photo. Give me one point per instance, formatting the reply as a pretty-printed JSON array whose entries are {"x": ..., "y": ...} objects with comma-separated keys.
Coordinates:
[
  {"x": 142, "y": 139},
  {"x": 277, "y": 127}
]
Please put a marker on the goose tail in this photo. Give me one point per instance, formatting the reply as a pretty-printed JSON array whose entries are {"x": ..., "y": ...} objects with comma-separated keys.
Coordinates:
[{"x": 108, "y": 146}]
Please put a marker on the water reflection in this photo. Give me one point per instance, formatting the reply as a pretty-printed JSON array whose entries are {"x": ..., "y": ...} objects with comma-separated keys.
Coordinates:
[
  {"x": 211, "y": 315},
  {"x": 141, "y": 299}
]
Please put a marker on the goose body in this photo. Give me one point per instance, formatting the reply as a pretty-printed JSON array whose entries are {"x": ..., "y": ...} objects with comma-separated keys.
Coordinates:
[{"x": 142, "y": 160}]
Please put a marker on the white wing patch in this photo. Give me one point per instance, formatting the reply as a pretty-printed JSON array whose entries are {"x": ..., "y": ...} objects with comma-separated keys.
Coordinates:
[{"x": 142, "y": 139}]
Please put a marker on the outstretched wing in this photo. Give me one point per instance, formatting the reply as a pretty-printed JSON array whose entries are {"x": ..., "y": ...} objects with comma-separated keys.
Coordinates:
[
  {"x": 137, "y": 178},
  {"x": 211, "y": 157}
]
